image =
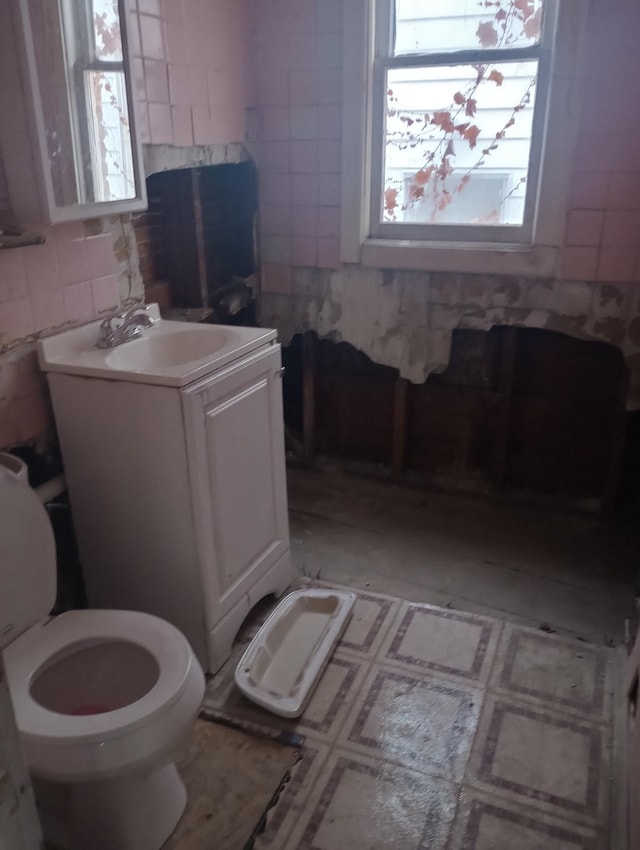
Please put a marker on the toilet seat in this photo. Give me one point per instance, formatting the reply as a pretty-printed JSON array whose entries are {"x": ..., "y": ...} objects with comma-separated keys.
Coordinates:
[
  {"x": 76, "y": 748},
  {"x": 47, "y": 639}
]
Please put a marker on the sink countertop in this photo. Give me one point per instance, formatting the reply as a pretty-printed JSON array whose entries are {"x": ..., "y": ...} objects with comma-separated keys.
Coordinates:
[{"x": 74, "y": 352}]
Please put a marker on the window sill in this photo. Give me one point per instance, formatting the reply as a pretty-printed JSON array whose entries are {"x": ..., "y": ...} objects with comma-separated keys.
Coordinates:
[{"x": 532, "y": 261}]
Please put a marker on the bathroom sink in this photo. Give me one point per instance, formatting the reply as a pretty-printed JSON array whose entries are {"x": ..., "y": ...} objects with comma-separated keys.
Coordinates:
[
  {"x": 168, "y": 349},
  {"x": 169, "y": 353}
]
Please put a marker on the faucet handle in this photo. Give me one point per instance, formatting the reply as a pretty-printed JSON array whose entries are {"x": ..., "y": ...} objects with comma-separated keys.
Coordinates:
[
  {"x": 105, "y": 332},
  {"x": 134, "y": 311},
  {"x": 127, "y": 326},
  {"x": 139, "y": 312}
]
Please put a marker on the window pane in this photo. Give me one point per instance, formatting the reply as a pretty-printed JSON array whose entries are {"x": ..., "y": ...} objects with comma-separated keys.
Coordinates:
[
  {"x": 457, "y": 143},
  {"x": 106, "y": 31},
  {"x": 428, "y": 26},
  {"x": 109, "y": 136}
]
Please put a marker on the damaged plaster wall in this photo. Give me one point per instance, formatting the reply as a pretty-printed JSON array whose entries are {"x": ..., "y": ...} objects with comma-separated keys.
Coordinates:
[
  {"x": 159, "y": 158},
  {"x": 125, "y": 252},
  {"x": 384, "y": 314},
  {"x": 405, "y": 319}
]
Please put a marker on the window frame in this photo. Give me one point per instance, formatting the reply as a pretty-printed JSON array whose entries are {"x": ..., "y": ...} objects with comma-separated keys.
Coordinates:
[{"x": 537, "y": 254}]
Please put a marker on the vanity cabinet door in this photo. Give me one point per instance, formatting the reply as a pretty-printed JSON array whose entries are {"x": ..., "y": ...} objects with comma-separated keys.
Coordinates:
[{"x": 235, "y": 443}]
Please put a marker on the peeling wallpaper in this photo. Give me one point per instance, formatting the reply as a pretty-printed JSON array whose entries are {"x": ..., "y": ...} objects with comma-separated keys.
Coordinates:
[{"x": 405, "y": 319}]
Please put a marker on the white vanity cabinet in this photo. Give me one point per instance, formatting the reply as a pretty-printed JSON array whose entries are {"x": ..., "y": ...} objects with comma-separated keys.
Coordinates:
[
  {"x": 235, "y": 448},
  {"x": 178, "y": 493}
]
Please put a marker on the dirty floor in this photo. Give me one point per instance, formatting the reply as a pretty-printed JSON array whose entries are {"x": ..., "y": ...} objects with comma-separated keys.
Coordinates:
[
  {"x": 571, "y": 574},
  {"x": 485, "y": 720},
  {"x": 231, "y": 778},
  {"x": 434, "y": 728}
]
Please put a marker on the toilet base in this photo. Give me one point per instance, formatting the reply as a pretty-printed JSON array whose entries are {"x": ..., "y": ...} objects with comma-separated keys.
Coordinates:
[{"x": 138, "y": 811}]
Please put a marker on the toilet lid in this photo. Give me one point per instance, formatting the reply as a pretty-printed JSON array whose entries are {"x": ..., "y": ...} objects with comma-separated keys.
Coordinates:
[
  {"x": 45, "y": 642},
  {"x": 27, "y": 558}
]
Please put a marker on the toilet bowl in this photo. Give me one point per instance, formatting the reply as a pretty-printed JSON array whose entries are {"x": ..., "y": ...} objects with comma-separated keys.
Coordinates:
[{"x": 103, "y": 699}]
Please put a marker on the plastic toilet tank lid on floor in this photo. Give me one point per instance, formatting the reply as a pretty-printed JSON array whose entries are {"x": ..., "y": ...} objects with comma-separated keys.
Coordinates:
[{"x": 27, "y": 558}]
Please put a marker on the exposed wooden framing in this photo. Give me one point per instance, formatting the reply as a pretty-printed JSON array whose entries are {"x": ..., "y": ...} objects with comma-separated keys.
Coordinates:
[
  {"x": 617, "y": 450},
  {"x": 199, "y": 228},
  {"x": 399, "y": 440},
  {"x": 505, "y": 401},
  {"x": 309, "y": 366},
  {"x": 528, "y": 410}
]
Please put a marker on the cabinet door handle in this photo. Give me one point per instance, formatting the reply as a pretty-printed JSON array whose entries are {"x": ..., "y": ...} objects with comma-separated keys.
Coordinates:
[{"x": 281, "y": 371}]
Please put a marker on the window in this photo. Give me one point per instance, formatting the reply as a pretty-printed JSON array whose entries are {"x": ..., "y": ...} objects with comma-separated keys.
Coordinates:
[
  {"x": 458, "y": 85},
  {"x": 467, "y": 127},
  {"x": 98, "y": 106}
]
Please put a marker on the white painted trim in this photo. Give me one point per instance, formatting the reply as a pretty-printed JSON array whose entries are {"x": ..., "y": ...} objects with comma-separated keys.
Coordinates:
[
  {"x": 463, "y": 257},
  {"x": 562, "y": 123},
  {"x": 356, "y": 123},
  {"x": 563, "y": 111}
]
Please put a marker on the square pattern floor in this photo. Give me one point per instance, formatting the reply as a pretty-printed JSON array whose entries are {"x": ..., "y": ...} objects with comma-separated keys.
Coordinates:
[{"x": 433, "y": 728}]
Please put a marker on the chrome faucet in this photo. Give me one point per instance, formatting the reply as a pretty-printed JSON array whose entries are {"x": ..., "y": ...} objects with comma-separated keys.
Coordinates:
[{"x": 129, "y": 327}]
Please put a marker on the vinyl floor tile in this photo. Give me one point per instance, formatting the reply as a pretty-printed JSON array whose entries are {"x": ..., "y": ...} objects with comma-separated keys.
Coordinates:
[
  {"x": 433, "y": 728},
  {"x": 543, "y": 759},
  {"x": 365, "y": 804},
  {"x": 441, "y": 642},
  {"x": 415, "y": 721},
  {"x": 370, "y": 621},
  {"x": 484, "y": 823},
  {"x": 566, "y": 674}
]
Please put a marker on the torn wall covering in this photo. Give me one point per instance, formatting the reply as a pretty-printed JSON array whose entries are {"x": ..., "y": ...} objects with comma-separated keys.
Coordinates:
[{"x": 404, "y": 319}]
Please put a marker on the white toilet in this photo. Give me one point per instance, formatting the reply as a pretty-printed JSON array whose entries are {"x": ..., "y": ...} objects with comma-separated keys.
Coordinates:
[{"x": 103, "y": 700}]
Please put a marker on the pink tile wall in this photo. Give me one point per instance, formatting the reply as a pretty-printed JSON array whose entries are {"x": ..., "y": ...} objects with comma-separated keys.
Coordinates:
[
  {"x": 603, "y": 219},
  {"x": 71, "y": 278},
  {"x": 191, "y": 83},
  {"x": 297, "y": 57},
  {"x": 191, "y": 70},
  {"x": 25, "y": 413},
  {"x": 297, "y": 63}
]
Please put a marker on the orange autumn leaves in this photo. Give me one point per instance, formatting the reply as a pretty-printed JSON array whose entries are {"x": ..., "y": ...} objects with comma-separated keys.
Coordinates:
[
  {"x": 501, "y": 31},
  {"x": 510, "y": 21},
  {"x": 449, "y": 123}
]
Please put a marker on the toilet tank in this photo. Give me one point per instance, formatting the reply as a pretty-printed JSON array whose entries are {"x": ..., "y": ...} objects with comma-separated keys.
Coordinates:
[{"x": 27, "y": 558}]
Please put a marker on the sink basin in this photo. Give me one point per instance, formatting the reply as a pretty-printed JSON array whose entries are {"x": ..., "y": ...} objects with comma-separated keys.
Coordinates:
[
  {"x": 168, "y": 349},
  {"x": 169, "y": 353}
]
